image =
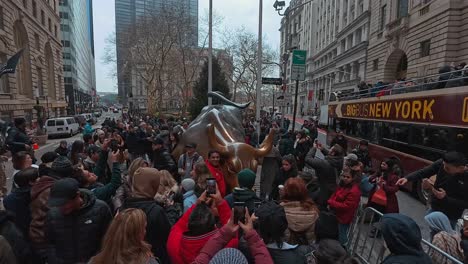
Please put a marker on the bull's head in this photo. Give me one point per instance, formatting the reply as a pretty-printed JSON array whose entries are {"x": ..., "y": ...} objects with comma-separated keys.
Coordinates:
[
  {"x": 219, "y": 127},
  {"x": 239, "y": 154}
]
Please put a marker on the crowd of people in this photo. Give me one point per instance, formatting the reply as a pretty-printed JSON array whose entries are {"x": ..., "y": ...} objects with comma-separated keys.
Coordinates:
[{"x": 120, "y": 196}]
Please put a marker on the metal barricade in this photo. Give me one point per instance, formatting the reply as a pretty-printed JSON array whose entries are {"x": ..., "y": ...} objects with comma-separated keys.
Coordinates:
[{"x": 371, "y": 249}]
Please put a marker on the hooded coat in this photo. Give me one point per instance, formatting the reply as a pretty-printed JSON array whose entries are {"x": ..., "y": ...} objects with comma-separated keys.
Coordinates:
[
  {"x": 18, "y": 202},
  {"x": 245, "y": 195},
  {"x": 345, "y": 202},
  {"x": 403, "y": 238},
  {"x": 144, "y": 188},
  {"x": 446, "y": 238},
  {"x": 15, "y": 238},
  {"x": 39, "y": 196},
  {"x": 301, "y": 223},
  {"x": 76, "y": 237},
  {"x": 184, "y": 249}
]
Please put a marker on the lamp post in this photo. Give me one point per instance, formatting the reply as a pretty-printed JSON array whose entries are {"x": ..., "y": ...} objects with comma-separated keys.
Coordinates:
[
  {"x": 210, "y": 52},
  {"x": 259, "y": 69}
]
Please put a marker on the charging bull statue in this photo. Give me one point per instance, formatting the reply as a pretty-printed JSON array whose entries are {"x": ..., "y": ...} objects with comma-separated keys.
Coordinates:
[{"x": 219, "y": 127}]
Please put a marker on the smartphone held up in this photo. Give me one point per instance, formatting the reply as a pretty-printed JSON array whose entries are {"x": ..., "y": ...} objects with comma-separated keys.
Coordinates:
[{"x": 210, "y": 186}]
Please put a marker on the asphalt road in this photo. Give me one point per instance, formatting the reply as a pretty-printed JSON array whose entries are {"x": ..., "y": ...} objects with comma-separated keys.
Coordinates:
[{"x": 53, "y": 143}]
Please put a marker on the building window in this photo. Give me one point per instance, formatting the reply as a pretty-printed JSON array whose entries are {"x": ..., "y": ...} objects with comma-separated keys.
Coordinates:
[
  {"x": 42, "y": 18},
  {"x": 67, "y": 68},
  {"x": 402, "y": 8},
  {"x": 375, "y": 65},
  {"x": 55, "y": 5},
  {"x": 25, "y": 4},
  {"x": 358, "y": 36},
  {"x": 49, "y": 24},
  {"x": 37, "y": 42},
  {"x": 425, "y": 48},
  {"x": 55, "y": 30},
  {"x": 34, "y": 8},
  {"x": 40, "y": 84},
  {"x": 64, "y": 15},
  {"x": 383, "y": 17},
  {"x": 360, "y": 7},
  {"x": 65, "y": 28},
  {"x": 2, "y": 25},
  {"x": 63, "y": 2},
  {"x": 66, "y": 43}
]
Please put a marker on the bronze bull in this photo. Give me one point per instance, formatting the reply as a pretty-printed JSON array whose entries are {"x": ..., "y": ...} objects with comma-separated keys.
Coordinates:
[{"x": 219, "y": 127}]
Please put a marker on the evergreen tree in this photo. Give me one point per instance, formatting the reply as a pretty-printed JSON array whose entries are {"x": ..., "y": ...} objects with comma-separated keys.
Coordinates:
[{"x": 200, "y": 91}]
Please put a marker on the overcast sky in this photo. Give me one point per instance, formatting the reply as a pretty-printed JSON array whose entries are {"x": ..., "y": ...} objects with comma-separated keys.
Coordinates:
[{"x": 236, "y": 13}]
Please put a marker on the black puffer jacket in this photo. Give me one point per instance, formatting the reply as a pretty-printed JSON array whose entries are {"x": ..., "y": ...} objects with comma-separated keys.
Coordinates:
[
  {"x": 15, "y": 238},
  {"x": 17, "y": 140},
  {"x": 77, "y": 237},
  {"x": 327, "y": 171},
  {"x": 163, "y": 160},
  {"x": 157, "y": 228}
]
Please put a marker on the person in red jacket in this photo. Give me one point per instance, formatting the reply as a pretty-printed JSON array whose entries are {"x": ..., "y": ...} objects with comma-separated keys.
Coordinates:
[
  {"x": 345, "y": 202},
  {"x": 386, "y": 178},
  {"x": 213, "y": 165},
  {"x": 213, "y": 250},
  {"x": 196, "y": 227}
]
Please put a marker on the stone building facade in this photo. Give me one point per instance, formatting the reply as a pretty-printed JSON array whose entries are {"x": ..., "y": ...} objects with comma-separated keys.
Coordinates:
[
  {"x": 412, "y": 39},
  {"x": 335, "y": 35},
  {"x": 339, "y": 51},
  {"x": 32, "y": 25}
]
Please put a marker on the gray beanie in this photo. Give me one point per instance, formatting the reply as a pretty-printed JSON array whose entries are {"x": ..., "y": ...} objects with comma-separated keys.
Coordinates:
[
  {"x": 188, "y": 184},
  {"x": 229, "y": 256}
]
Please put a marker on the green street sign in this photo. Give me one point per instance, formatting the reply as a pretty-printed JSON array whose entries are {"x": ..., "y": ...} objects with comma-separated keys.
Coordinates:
[{"x": 299, "y": 57}]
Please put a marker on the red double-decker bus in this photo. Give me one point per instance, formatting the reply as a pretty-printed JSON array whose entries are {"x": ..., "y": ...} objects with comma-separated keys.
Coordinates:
[{"x": 417, "y": 127}]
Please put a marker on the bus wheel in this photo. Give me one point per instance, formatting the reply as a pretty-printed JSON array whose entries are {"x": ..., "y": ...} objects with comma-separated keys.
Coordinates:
[{"x": 423, "y": 195}]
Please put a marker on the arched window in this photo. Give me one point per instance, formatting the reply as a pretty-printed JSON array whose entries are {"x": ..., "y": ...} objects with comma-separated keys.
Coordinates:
[
  {"x": 23, "y": 70},
  {"x": 49, "y": 57}
]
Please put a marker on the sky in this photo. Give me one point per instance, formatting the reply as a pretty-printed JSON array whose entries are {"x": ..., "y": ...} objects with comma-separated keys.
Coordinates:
[{"x": 235, "y": 13}]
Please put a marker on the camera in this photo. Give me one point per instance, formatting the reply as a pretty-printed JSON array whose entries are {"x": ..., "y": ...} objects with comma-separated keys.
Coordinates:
[
  {"x": 210, "y": 186},
  {"x": 239, "y": 212}
]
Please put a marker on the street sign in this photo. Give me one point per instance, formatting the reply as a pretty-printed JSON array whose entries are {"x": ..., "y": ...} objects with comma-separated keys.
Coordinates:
[
  {"x": 299, "y": 57},
  {"x": 298, "y": 68},
  {"x": 275, "y": 81}
]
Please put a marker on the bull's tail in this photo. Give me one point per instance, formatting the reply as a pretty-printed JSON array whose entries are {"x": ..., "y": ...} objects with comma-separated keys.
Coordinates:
[{"x": 220, "y": 96}]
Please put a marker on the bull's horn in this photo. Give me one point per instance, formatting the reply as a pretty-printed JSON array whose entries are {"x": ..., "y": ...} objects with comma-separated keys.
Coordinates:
[
  {"x": 212, "y": 139},
  {"x": 221, "y": 97},
  {"x": 267, "y": 145}
]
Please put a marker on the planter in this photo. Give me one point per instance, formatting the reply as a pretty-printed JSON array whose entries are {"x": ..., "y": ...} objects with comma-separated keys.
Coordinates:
[{"x": 41, "y": 140}]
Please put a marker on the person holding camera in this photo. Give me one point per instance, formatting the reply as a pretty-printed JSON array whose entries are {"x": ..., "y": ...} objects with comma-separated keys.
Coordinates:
[
  {"x": 201, "y": 222},
  {"x": 450, "y": 189}
]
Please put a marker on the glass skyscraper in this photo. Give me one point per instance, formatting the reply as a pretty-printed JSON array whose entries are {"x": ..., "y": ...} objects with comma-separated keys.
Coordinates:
[
  {"x": 127, "y": 13},
  {"x": 78, "y": 53}
]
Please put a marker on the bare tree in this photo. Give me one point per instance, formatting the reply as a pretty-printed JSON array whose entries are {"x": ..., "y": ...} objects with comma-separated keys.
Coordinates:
[
  {"x": 162, "y": 53},
  {"x": 241, "y": 45}
]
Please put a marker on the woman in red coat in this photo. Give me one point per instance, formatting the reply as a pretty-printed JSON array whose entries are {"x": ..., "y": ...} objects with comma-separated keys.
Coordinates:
[
  {"x": 386, "y": 178},
  {"x": 345, "y": 201}
]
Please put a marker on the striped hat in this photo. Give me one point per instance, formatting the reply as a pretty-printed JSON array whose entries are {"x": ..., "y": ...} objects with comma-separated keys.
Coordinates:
[{"x": 229, "y": 256}]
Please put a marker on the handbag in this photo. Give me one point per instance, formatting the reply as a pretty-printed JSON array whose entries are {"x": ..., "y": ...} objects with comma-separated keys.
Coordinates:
[{"x": 379, "y": 197}]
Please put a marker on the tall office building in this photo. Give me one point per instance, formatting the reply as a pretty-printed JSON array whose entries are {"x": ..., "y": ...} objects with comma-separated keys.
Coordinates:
[
  {"x": 127, "y": 14},
  {"x": 78, "y": 54}
]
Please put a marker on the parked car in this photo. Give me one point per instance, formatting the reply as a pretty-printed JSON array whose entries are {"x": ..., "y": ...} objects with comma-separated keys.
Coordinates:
[
  {"x": 81, "y": 120},
  {"x": 62, "y": 126},
  {"x": 89, "y": 118},
  {"x": 97, "y": 114}
]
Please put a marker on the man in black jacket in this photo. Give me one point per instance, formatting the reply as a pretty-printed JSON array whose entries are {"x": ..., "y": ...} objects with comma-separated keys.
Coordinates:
[
  {"x": 76, "y": 222},
  {"x": 17, "y": 139},
  {"x": 162, "y": 159},
  {"x": 327, "y": 170},
  {"x": 450, "y": 189}
]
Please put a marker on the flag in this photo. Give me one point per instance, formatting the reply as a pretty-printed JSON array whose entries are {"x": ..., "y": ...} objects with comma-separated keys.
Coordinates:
[{"x": 10, "y": 65}]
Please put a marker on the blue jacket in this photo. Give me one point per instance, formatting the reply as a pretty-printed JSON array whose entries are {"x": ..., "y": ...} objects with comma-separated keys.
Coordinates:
[
  {"x": 189, "y": 199},
  {"x": 18, "y": 202},
  {"x": 88, "y": 129}
]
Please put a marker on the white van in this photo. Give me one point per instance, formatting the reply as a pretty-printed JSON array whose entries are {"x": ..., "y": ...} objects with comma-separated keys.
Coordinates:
[
  {"x": 62, "y": 126},
  {"x": 89, "y": 118}
]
